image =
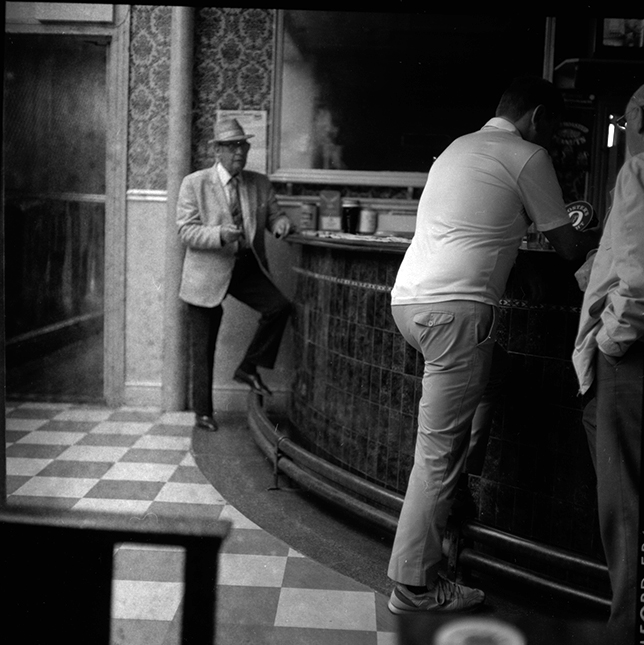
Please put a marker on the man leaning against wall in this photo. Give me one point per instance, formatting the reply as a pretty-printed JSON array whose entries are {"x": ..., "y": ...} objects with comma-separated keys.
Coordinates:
[{"x": 223, "y": 213}]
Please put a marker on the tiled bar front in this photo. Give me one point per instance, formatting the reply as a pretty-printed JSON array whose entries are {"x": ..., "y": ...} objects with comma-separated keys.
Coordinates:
[{"x": 358, "y": 384}]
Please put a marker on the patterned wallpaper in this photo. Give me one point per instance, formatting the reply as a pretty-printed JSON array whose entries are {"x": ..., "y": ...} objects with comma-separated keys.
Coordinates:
[
  {"x": 233, "y": 67},
  {"x": 148, "y": 109}
]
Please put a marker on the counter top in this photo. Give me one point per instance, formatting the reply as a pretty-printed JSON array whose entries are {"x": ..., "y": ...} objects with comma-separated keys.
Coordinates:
[
  {"x": 349, "y": 241},
  {"x": 388, "y": 243}
]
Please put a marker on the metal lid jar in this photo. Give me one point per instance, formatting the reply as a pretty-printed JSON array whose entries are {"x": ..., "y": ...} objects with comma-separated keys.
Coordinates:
[{"x": 350, "y": 215}]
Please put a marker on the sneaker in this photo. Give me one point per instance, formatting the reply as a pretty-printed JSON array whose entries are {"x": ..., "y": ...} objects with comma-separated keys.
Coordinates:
[{"x": 446, "y": 596}]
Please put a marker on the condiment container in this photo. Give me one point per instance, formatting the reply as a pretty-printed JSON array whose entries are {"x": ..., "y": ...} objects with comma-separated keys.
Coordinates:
[
  {"x": 350, "y": 215},
  {"x": 368, "y": 222},
  {"x": 309, "y": 217}
]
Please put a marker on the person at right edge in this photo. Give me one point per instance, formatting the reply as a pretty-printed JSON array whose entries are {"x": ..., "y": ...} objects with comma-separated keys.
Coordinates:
[
  {"x": 481, "y": 195},
  {"x": 609, "y": 362}
]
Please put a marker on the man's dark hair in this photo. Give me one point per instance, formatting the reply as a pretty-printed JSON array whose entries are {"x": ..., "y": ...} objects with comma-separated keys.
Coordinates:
[{"x": 525, "y": 93}]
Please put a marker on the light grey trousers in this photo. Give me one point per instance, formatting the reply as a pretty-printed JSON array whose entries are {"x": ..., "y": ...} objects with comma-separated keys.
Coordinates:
[{"x": 456, "y": 339}]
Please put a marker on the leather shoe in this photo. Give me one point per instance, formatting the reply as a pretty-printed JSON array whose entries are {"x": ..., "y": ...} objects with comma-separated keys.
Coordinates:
[
  {"x": 254, "y": 380},
  {"x": 206, "y": 422}
]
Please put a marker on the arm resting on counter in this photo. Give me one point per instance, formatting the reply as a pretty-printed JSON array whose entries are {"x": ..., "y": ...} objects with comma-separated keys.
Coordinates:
[{"x": 572, "y": 244}]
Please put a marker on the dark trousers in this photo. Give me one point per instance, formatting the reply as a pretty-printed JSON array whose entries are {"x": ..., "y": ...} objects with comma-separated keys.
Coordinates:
[
  {"x": 613, "y": 422},
  {"x": 250, "y": 286}
]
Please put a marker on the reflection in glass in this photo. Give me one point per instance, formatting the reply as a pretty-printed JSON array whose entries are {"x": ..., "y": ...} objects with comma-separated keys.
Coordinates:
[{"x": 389, "y": 91}]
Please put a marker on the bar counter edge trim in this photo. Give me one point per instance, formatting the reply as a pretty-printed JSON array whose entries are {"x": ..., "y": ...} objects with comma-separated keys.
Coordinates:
[{"x": 261, "y": 426}]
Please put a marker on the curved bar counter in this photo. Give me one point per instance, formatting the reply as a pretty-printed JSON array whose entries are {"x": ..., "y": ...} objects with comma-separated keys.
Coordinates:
[{"x": 354, "y": 406}]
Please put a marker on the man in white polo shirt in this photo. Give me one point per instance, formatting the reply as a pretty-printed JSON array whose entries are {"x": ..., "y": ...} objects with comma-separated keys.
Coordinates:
[{"x": 481, "y": 195}]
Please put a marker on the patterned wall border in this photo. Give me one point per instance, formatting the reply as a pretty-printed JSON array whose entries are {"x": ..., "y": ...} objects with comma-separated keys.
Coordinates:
[
  {"x": 524, "y": 304},
  {"x": 505, "y": 303},
  {"x": 343, "y": 281},
  {"x": 144, "y": 195}
]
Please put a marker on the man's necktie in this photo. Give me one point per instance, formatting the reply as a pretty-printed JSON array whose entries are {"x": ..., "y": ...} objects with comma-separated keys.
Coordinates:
[{"x": 235, "y": 206}]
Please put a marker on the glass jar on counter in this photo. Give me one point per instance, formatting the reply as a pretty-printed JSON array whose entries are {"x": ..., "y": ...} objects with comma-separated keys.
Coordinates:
[
  {"x": 330, "y": 211},
  {"x": 350, "y": 215},
  {"x": 308, "y": 217},
  {"x": 368, "y": 222}
]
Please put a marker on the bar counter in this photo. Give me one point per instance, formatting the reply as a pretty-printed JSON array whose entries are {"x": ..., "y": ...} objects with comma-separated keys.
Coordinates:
[{"x": 358, "y": 384}]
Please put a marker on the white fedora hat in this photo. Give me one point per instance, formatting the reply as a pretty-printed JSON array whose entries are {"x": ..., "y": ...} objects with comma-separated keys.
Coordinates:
[{"x": 228, "y": 130}]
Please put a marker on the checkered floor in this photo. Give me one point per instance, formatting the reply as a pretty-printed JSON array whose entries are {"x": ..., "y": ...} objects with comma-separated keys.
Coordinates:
[{"x": 139, "y": 461}]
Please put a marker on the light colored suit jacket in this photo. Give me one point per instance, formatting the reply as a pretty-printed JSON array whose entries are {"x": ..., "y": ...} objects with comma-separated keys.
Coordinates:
[{"x": 202, "y": 209}]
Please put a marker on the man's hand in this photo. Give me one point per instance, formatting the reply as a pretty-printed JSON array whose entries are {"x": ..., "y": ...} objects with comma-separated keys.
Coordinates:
[
  {"x": 583, "y": 273},
  {"x": 230, "y": 233},
  {"x": 282, "y": 227}
]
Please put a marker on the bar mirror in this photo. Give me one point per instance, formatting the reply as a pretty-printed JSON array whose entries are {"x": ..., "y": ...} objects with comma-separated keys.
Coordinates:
[{"x": 369, "y": 98}]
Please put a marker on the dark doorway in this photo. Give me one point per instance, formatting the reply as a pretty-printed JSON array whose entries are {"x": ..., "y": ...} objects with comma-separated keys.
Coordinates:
[{"x": 55, "y": 110}]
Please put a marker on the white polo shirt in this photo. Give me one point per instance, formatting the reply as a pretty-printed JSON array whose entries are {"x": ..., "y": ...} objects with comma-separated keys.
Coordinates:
[{"x": 480, "y": 197}]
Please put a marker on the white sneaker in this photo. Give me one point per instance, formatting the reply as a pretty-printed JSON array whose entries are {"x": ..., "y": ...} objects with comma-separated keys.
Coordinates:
[{"x": 445, "y": 597}]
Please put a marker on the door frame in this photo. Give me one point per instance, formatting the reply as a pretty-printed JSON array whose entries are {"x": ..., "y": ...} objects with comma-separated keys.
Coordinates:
[{"x": 117, "y": 35}]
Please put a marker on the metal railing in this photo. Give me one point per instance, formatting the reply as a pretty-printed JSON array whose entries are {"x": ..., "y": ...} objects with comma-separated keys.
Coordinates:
[{"x": 382, "y": 508}]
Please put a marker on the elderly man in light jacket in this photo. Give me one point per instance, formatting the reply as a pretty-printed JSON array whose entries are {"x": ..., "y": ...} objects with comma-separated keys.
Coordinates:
[{"x": 223, "y": 213}]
